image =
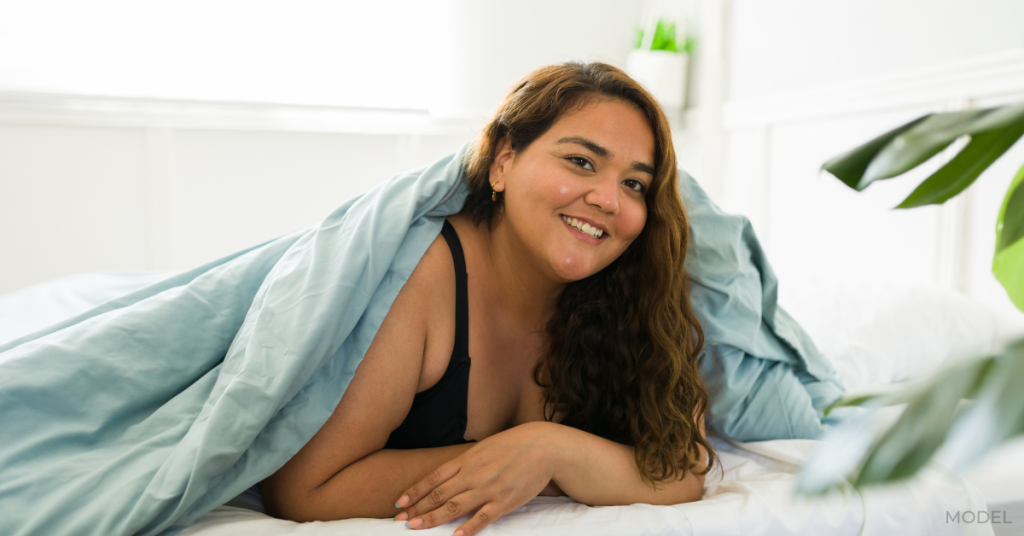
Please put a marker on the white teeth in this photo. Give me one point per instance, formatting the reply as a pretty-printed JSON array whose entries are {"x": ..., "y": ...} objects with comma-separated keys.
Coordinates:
[{"x": 583, "y": 227}]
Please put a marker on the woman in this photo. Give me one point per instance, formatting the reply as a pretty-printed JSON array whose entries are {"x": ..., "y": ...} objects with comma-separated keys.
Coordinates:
[{"x": 563, "y": 279}]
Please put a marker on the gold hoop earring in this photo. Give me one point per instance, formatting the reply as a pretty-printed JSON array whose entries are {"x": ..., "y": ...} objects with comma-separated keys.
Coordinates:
[{"x": 494, "y": 193}]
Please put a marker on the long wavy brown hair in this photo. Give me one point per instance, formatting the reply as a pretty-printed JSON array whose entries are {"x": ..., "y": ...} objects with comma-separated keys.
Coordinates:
[{"x": 622, "y": 361}]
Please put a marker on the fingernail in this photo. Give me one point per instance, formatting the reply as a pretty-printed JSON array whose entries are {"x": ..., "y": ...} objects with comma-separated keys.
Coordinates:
[
  {"x": 402, "y": 516},
  {"x": 459, "y": 533},
  {"x": 402, "y": 501},
  {"x": 415, "y": 523}
]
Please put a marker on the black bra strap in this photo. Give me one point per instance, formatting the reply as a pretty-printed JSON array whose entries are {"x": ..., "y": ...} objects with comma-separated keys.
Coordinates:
[{"x": 461, "y": 294}]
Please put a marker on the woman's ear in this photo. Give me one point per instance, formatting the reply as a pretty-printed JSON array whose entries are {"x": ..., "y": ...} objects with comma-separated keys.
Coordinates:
[{"x": 503, "y": 157}]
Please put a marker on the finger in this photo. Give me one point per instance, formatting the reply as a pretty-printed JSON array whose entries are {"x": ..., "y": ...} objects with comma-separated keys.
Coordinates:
[
  {"x": 437, "y": 497},
  {"x": 488, "y": 514},
  {"x": 460, "y": 505},
  {"x": 433, "y": 479}
]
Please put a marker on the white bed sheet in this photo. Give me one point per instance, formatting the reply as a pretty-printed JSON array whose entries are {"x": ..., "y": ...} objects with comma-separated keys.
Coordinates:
[
  {"x": 753, "y": 496},
  {"x": 874, "y": 335}
]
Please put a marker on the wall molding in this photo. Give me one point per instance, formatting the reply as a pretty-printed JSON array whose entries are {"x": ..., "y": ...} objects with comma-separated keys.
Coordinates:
[
  {"x": 943, "y": 87},
  {"x": 84, "y": 110},
  {"x": 992, "y": 75}
]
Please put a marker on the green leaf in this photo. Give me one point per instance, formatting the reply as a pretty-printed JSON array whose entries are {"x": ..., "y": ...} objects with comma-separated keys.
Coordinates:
[
  {"x": 921, "y": 428},
  {"x": 839, "y": 455},
  {"x": 849, "y": 167},
  {"x": 1008, "y": 262},
  {"x": 664, "y": 38},
  {"x": 889, "y": 395},
  {"x": 865, "y": 449},
  {"x": 960, "y": 172},
  {"x": 912, "y": 144},
  {"x": 998, "y": 118},
  {"x": 997, "y": 416},
  {"x": 688, "y": 44},
  {"x": 858, "y": 400},
  {"x": 916, "y": 145},
  {"x": 1010, "y": 227}
]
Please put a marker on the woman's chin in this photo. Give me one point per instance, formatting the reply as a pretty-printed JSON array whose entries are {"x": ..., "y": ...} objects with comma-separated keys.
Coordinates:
[{"x": 573, "y": 270}]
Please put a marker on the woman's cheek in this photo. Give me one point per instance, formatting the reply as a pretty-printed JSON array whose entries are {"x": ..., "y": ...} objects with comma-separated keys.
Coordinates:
[{"x": 639, "y": 219}]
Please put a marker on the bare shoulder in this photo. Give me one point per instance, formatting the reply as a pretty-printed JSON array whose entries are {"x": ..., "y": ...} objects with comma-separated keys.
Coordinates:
[
  {"x": 380, "y": 394},
  {"x": 434, "y": 276},
  {"x": 432, "y": 287}
]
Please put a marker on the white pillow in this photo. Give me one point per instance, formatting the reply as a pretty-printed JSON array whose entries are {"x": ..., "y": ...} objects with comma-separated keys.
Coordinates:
[{"x": 884, "y": 332}]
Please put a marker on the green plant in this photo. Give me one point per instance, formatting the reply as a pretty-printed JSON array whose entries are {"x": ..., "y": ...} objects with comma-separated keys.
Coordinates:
[
  {"x": 966, "y": 409},
  {"x": 992, "y": 132},
  {"x": 970, "y": 406},
  {"x": 665, "y": 38}
]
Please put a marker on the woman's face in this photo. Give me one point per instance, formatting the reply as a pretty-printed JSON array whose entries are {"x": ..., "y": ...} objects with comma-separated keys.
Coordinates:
[{"x": 593, "y": 167}]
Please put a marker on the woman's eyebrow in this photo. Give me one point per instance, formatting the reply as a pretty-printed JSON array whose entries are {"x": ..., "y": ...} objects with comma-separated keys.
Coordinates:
[{"x": 605, "y": 153}]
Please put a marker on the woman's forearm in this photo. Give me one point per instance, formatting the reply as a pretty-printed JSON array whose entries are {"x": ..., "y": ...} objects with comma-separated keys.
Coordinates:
[
  {"x": 599, "y": 472},
  {"x": 366, "y": 488}
]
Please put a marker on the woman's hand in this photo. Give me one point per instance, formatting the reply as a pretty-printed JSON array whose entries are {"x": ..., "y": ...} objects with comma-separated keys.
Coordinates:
[{"x": 494, "y": 477}]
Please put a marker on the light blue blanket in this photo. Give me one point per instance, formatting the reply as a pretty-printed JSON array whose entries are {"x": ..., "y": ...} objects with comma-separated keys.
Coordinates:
[
  {"x": 151, "y": 409},
  {"x": 766, "y": 378}
]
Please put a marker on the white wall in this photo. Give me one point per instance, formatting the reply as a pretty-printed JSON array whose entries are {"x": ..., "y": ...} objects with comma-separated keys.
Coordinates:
[
  {"x": 123, "y": 190},
  {"x": 784, "y": 45},
  {"x": 161, "y": 135},
  {"x": 807, "y": 80},
  {"x": 453, "y": 57},
  {"x": 113, "y": 183},
  {"x": 301, "y": 52},
  {"x": 497, "y": 43}
]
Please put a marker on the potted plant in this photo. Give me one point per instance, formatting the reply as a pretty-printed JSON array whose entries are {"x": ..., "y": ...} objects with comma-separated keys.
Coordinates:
[{"x": 659, "y": 61}]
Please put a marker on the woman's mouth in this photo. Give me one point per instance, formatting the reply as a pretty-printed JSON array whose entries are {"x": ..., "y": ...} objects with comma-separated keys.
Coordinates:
[{"x": 583, "y": 230}]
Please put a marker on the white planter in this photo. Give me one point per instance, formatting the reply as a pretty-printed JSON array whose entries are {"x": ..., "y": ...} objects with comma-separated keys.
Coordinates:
[{"x": 663, "y": 73}]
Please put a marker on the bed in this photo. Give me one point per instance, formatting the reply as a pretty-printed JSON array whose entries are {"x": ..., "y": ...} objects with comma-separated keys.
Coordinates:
[{"x": 875, "y": 333}]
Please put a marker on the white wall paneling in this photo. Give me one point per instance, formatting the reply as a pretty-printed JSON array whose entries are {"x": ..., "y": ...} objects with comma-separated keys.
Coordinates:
[
  {"x": 91, "y": 184},
  {"x": 813, "y": 227},
  {"x": 159, "y": 201},
  {"x": 782, "y": 46},
  {"x": 72, "y": 199}
]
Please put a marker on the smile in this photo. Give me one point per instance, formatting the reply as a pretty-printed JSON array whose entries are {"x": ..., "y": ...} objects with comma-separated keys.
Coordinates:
[{"x": 584, "y": 228}]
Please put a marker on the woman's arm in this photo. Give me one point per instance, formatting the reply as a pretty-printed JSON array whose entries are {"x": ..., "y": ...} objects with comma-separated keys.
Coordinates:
[
  {"x": 506, "y": 470},
  {"x": 343, "y": 472},
  {"x": 368, "y": 487},
  {"x": 599, "y": 472}
]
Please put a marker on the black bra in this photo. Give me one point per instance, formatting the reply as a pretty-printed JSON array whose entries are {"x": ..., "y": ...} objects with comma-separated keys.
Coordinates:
[{"x": 438, "y": 415}]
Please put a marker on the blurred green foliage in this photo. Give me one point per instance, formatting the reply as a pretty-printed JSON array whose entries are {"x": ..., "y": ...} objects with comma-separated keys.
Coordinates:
[{"x": 665, "y": 38}]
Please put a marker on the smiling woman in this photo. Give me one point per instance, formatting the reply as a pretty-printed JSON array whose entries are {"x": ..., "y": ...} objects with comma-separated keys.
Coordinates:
[{"x": 563, "y": 278}]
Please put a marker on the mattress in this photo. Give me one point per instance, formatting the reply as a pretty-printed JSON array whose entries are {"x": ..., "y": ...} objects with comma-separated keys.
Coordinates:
[{"x": 875, "y": 333}]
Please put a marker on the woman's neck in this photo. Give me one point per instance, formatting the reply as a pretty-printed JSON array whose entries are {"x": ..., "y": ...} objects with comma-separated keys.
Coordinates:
[{"x": 521, "y": 292}]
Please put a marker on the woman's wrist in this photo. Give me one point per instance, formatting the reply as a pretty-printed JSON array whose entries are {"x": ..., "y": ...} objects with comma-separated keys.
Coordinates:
[{"x": 555, "y": 447}]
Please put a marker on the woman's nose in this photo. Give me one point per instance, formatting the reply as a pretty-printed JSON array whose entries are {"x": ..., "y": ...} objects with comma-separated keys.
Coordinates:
[{"x": 604, "y": 195}]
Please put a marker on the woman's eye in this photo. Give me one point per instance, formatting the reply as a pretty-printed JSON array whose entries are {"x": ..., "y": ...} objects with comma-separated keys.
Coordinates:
[
  {"x": 581, "y": 162},
  {"x": 635, "y": 185}
]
